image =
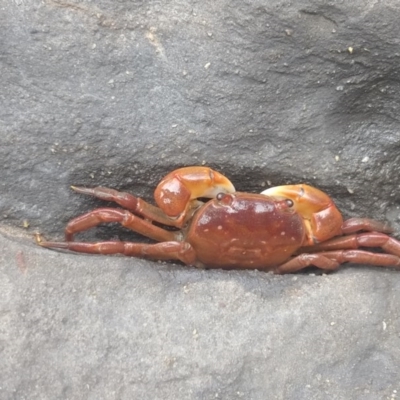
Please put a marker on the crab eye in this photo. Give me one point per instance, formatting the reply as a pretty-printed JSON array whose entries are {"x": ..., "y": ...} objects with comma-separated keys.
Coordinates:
[
  {"x": 220, "y": 196},
  {"x": 289, "y": 203},
  {"x": 224, "y": 199}
]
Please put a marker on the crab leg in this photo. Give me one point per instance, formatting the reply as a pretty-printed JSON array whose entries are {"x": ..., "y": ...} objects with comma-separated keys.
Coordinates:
[
  {"x": 353, "y": 225},
  {"x": 355, "y": 241},
  {"x": 125, "y": 218},
  {"x": 307, "y": 260},
  {"x": 331, "y": 260},
  {"x": 127, "y": 200},
  {"x": 363, "y": 257},
  {"x": 161, "y": 251}
]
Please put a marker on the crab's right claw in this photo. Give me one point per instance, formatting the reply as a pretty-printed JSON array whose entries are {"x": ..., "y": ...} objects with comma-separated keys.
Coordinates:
[{"x": 321, "y": 217}]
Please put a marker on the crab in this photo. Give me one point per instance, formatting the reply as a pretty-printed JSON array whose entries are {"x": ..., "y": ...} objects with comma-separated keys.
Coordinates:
[{"x": 283, "y": 229}]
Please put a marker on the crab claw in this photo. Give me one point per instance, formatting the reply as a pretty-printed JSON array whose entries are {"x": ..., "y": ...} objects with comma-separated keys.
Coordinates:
[
  {"x": 321, "y": 217},
  {"x": 176, "y": 194}
]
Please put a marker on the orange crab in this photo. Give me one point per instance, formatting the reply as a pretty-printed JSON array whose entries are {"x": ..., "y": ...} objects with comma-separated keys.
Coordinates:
[{"x": 284, "y": 229}]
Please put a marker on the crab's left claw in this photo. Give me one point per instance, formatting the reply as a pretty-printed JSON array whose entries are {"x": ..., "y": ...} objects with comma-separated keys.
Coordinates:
[
  {"x": 176, "y": 194},
  {"x": 321, "y": 217}
]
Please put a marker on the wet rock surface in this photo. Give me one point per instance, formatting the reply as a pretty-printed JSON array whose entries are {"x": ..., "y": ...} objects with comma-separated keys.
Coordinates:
[{"x": 119, "y": 94}]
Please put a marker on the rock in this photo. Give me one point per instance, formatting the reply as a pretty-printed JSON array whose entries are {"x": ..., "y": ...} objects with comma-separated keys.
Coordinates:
[
  {"x": 120, "y": 93},
  {"x": 83, "y": 327}
]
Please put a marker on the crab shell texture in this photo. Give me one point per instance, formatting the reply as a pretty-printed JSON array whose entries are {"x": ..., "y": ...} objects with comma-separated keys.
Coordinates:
[{"x": 244, "y": 230}]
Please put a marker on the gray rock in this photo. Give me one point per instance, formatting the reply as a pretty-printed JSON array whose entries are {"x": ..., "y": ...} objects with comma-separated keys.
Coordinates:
[
  {"x": 89, "y": 327},
  {"x": 120, "y": 93}
]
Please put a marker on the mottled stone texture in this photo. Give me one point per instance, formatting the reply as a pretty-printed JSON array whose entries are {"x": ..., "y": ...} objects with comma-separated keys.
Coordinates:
[{"x": 118, "y": 93}]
